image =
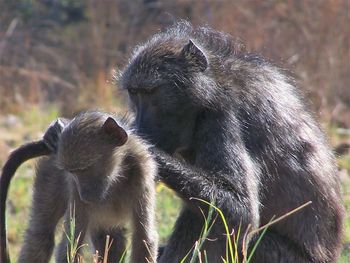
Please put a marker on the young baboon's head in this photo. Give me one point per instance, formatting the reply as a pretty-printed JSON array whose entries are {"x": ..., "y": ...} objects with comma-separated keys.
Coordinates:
[
  {"x": 160, "y": 79},
  {"x": 86, "y": 151}
]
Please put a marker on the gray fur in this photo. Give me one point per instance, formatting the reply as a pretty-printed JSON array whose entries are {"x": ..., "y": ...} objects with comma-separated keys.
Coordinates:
[
  {"x": 247, "y": 142},
  {"x": 108, "y": 183}
]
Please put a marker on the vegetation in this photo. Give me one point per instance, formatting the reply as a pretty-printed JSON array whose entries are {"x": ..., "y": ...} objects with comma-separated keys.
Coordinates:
[
  {"x": 50, "y": 49},
  {"x": 29, "y": 125},
  {"x": 57, "y": 58}
]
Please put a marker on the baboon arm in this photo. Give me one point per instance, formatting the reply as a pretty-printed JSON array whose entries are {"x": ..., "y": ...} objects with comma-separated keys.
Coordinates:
[
  {"x": 233, "y": 196},
  {"x": 144, "y": 240}
]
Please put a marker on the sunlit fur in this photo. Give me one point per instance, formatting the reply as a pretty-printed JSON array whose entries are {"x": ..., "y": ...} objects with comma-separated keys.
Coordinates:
[
  {"x": 250, "y": 144},
  {"x": 108, "y": 186}
]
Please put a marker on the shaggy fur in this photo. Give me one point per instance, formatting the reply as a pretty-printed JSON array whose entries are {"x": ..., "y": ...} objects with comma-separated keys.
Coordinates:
[
  {"x": 105, "y": 174},
  {"x": 247, "y": 142}
]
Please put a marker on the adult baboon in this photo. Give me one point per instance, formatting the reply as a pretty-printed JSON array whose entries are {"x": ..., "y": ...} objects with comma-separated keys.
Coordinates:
[{"x": 247, "y": 142}]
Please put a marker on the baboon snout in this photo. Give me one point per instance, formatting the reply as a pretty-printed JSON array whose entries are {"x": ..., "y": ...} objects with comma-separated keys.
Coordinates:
[{"x": 89, "y": 192}]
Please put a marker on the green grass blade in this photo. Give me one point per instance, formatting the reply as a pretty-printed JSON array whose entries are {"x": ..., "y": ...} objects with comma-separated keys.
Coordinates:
[{"x": 225, "y": 225}]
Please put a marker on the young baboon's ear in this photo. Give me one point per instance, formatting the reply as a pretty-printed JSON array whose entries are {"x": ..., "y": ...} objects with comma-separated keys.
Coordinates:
[
  {"x": 112, "y": 128},
  {"x": 194, "y": 56}
]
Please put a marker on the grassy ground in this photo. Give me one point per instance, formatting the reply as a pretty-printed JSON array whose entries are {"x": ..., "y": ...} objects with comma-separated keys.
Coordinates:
[{"x": 15, "y": 130}]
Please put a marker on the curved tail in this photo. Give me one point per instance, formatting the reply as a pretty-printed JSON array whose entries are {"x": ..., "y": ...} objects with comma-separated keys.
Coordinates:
[{"x": 17, "y": 157}]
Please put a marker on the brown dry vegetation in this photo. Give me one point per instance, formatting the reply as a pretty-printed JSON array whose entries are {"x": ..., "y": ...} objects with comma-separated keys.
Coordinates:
[{"x": 64, "y": 51}]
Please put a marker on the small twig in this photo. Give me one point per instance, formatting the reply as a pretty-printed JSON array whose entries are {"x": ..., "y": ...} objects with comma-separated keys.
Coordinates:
[
  {"x": 244, "y": 249},
  {"x": 11, "y": 28},
  {"x": 95, "y": 257},
  {"x": 107, "y": 248},
  {"x": 149, "y": 252},
  {"x": 43, "y": 76},
  {"x": 279, "y": 218}
]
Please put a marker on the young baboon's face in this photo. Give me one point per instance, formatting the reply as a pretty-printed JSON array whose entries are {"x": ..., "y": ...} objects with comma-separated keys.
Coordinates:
[
  {"x": 91, "y": 182},
  {"x": 86, "y": 151},
  {"x": 158, "y": 81}
]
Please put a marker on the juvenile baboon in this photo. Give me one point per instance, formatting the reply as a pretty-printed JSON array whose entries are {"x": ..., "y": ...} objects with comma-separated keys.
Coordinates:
[
  {"x": 248, "y": 143},
  {"x": 107, "y": 176}
]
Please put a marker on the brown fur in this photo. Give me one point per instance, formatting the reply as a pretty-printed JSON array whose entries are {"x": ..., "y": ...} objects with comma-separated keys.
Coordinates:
[{"x": 108, "y": 181}]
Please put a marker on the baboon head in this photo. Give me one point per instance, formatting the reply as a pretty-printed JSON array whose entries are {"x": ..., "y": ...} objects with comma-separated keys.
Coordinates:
[
  {"x": 86, "y": 151},
  {"x": 159, "y": 80}
]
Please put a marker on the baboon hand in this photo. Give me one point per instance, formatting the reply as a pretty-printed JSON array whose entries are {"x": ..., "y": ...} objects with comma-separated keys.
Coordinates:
[{"x": 51, "y": 136}]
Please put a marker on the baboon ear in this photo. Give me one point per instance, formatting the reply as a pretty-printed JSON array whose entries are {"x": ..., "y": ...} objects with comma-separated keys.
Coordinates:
[
  {"x": 112, "y": 128},
  {"x": 194, "y": 56}
]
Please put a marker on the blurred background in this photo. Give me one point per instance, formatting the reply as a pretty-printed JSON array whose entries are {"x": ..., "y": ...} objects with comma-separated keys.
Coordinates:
[{"x": 57, "y": 57}]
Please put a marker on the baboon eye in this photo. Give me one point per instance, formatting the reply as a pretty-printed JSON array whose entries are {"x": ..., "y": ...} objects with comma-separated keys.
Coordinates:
[
  {"x": 152, "y": 89},
  {"x": 149, "y": 90},
  {"x": 132, "y": 91},
  {"x": 78, "y": 171},
  {"x": 143, "y": 90}
]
